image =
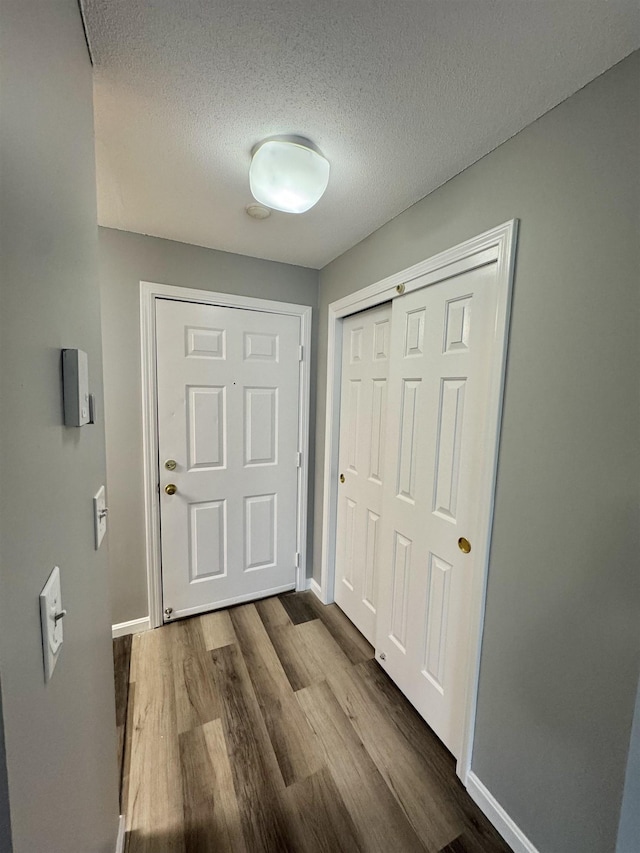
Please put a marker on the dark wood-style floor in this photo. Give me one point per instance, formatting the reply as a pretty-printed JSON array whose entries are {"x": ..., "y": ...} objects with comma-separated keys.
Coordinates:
[{"x": 269, "y": 728}]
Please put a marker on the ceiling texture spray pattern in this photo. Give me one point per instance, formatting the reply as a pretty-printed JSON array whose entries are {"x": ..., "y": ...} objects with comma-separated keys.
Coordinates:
[{"x": 399, "y": 96}]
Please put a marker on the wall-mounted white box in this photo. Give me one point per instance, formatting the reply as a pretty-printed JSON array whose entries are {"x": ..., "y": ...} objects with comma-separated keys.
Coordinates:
[{"x": 75, "y": 382}]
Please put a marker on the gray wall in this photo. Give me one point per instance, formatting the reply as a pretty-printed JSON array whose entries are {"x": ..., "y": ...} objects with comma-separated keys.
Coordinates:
[
  {"x": 125, "y": 260},
  {"x": 59, "y": 737},
  {"x": 561, "y": 646},
  {"x": 629, "y": 829}
]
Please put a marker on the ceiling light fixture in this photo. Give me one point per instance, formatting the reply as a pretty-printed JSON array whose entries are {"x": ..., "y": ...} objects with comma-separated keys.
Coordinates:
[{"x": 288, "y": 173}]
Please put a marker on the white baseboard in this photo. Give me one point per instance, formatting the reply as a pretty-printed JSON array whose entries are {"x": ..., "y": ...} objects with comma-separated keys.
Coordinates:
[
  {"x": 120, "y": 839},
  {"x": 133, "y": 627},
  {"x": 314, "y": 586},
  {"x": 507, "y": 828}
]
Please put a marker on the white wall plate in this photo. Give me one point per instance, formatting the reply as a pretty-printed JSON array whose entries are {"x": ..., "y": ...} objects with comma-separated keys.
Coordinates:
[
  {"x": 99, "y": 516},
  {"x": 51, "y": 618}
]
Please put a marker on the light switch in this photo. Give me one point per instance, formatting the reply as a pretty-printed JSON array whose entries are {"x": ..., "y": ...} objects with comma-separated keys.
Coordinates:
[
  {"x": 51, "y": 617},
  {"x": 99, "y": 516}
]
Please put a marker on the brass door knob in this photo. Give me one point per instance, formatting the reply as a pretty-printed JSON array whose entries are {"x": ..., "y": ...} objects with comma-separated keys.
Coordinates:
[
  {"x": 342, "y": 478},
  {"x": 464, "y": 545},
  {"x": 171, "y": 488},
  {"x": 170, "y": 464}
]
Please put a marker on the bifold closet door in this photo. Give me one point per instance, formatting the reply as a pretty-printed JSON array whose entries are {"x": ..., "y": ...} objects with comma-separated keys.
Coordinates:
[
  {"x": 438, "y": 380},
  {"x": 363, "y": 411}
]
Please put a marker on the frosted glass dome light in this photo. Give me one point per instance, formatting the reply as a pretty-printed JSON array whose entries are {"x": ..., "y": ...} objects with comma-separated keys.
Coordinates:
[{"x": 288, "y": 174}]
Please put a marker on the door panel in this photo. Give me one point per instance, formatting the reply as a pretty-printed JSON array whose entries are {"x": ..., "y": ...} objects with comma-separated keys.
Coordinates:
[
  {"x": 228, "y": 398},
  {"x": 363, "y": 414},
  {"x": 438, "y": 381}
]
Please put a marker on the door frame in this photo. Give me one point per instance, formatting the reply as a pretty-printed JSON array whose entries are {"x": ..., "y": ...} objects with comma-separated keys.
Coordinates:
[
  {"x": 149, "y": 293},
  {"x": 498, "y": 246}
]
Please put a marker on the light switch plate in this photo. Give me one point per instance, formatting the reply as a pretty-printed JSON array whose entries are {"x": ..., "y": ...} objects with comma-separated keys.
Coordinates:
[
  {"x": 99, "y": 516},
  {"x": 52, "y": 634}
]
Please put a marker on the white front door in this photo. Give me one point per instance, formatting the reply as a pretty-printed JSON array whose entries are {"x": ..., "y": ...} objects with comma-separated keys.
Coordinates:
[
  {"x": 363, "y": 412},
  {"x": 228, "y": 399},
  {"x": 441, "y": 339}
]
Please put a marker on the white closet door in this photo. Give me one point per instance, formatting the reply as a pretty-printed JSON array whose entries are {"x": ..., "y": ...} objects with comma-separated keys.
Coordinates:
[
  {"x": 363, "y": 410},
  {"x": 439, "y": 376},
  {"x": 228, "y": 397}
]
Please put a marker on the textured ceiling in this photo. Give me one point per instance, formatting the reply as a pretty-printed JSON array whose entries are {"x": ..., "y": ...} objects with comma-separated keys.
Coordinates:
[{"x": 400, "y": 95}]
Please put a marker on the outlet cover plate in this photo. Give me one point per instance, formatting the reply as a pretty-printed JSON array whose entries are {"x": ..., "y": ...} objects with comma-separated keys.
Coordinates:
[
  {"x": 52, "y": 634},
  {"x": 99, "y": 516}
]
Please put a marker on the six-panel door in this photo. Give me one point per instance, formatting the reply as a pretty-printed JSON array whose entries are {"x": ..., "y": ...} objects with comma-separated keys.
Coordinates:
[
  {"x": 228, "y": 397},
  {"x": 441, "y": 338},
  {"x": 363, "y": 414}
]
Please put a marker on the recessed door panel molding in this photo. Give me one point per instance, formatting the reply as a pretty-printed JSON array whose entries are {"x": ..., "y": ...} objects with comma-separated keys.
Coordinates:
[
  {"x": 261, "y": 426},
  {"x": 207, "y": 540},
  {"x": 261, "y": 347},
  {"x": 260, "y": 531},
  {"x": 437, "y": 610},
  {"x": 400, "y": 567},
  {"x": 457, "y": 324},
  {"x": 378, "y": 424},
  {"x": 414, "y": 336},
  {"x": 371, "y": 560},
  {"x": 350, "y": 509},
  {"x": 205, "y": 343},
  {"x": 353, "y": 424},
  {"x": 381, "y": 333},
  {"x": 206, "y": 427},
  {"x": 228, "y": 417},
  {"x": 448, "y": 447},
  {"x": 365, "y": 366},
  {"x": 356, "y": 338},
  {"x": 408, "y": 450}
]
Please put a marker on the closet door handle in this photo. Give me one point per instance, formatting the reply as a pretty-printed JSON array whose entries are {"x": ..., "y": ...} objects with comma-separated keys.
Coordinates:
[
  {"x": 464, "y": 545},
  {"x": 342, "y": 478}
]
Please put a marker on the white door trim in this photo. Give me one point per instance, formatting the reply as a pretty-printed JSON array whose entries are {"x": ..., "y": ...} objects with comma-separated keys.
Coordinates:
[
  {"x": 494, "y": 246},
  {"x": 149, "y": 292}
]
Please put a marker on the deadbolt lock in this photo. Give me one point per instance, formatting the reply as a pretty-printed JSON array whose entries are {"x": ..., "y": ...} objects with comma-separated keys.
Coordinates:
[
  {"x": 170, "y": 464},
  {"x": 171, "y": 488},
  {"x": 342, "y": 478},
  {"x": 464, "y": 545}
]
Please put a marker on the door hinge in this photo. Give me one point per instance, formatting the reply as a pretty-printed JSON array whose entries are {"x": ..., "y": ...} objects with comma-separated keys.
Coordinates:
[
  {"x": 300, "y": 352},
  {"x": 297, "y": 559},
  {"x": 298, "y": 459}
]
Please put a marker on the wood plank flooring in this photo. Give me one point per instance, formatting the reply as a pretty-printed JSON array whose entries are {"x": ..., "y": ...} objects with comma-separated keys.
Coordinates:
[{"x": 270, "y": 728}]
